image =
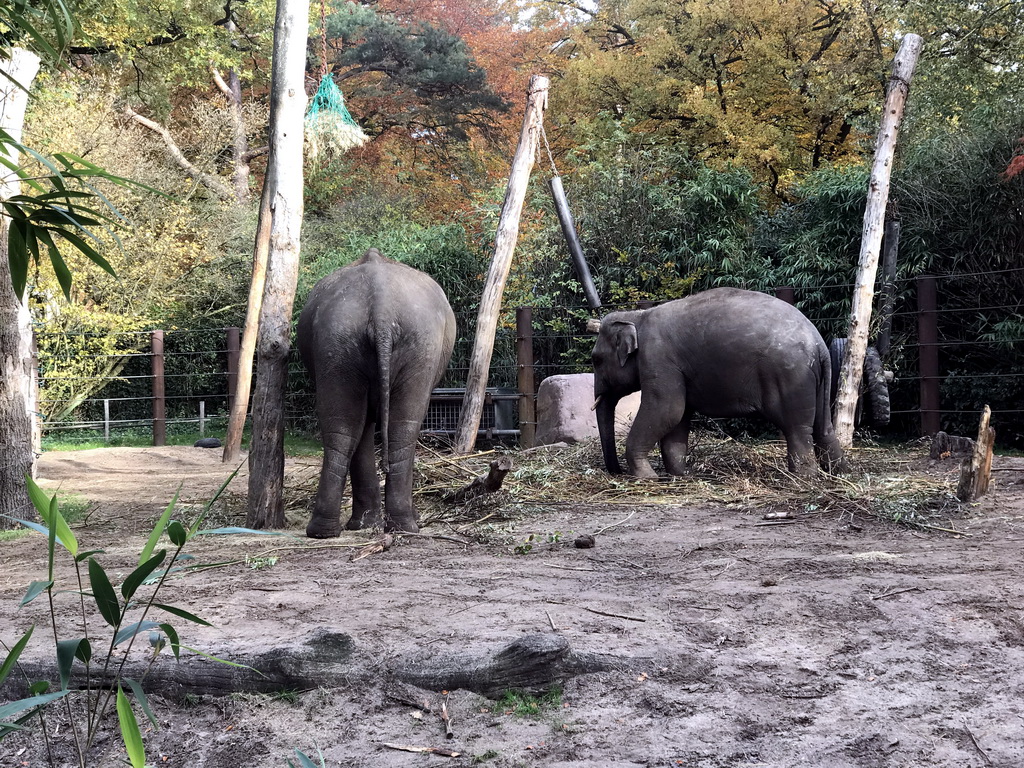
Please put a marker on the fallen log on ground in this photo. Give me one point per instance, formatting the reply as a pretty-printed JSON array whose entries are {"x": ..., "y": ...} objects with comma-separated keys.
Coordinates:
[
  {"x": 532, "y": 663},
  {"x": 328, "y": 659}
]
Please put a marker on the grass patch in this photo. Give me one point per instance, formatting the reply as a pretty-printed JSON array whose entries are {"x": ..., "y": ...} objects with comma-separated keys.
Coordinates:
[
  {"x": 13, "y": 534},
  {"x": 521, "y": 704},
  {"x": 294, "y": 445}
]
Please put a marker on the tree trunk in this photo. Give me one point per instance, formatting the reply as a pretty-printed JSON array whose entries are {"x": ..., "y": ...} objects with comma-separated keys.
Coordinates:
[
  {"x": 283, "y": 202},
  {"x": 871, "y": 239},
  {"x": 17, "y": 384},
  {"x": 501, "y": 261}
]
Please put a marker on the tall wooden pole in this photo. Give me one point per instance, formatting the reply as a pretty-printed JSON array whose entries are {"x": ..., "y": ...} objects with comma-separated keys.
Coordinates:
[
  {"x": 282, "y": 198},
  {"x": 871, "y": 239},
  {"x": 501, "y": 262}
]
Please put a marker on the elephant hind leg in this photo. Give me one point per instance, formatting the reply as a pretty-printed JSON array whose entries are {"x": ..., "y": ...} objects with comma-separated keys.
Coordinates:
[
  {"x": 341, "y": 439},
  {"x": 800, "y": 451},
  {"x": 365, "y": 484},
  {"x": 674, "y": 447}
]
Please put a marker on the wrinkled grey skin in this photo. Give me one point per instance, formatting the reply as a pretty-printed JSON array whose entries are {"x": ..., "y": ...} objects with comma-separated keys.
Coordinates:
[
  {"x": 723, "y": 353},
  {"x": 376, "y": 337}
]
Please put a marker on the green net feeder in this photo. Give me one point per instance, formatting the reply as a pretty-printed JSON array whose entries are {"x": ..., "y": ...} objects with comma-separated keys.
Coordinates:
[{"x": 330, "y": 129}]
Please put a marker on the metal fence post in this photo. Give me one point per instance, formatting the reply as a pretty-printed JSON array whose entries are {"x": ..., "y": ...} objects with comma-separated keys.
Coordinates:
[
  {"x": 106, "y": 420},
  {"x": 928, "y": 353},
  {"x": 159, "y": 403},
  {"x": 234, "y": 355},
  {"x": 787, "y": 294},
  {"x": 527, "y": 388}
]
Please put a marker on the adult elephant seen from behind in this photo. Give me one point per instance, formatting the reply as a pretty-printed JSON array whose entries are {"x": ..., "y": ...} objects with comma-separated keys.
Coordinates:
[
  {"x": 376, "y": 337},
  {"x": 723, "y": 353}
]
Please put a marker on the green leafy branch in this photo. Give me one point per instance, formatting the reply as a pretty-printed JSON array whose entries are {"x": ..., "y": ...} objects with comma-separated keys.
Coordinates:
[{"x": 127, "y": 615}]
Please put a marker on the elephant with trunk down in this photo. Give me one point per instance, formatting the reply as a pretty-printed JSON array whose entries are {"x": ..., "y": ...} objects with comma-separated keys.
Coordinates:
[
  {"x": 376, "y": 337},
  {"x": 723, "y": 353}
]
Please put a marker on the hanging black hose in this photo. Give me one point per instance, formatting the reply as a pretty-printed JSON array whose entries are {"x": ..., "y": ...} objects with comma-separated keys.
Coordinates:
[{"x": 569, "y": 232}]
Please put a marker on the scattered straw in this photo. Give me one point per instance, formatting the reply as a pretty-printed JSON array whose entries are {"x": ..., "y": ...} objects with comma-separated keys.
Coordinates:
[{"x": 889, "y": 484}]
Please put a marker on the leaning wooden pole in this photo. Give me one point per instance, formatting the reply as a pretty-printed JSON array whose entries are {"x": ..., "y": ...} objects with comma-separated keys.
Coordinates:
[
  {"x": 501, "y": 261},
  {"x": 871, "y": 239},
  {"x": 261, "y": 251}
]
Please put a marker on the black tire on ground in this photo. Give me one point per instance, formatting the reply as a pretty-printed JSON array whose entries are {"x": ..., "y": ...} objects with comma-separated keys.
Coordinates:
[
  {"x": 836, "y": 350},
  {"x": 873, "y": 399}
]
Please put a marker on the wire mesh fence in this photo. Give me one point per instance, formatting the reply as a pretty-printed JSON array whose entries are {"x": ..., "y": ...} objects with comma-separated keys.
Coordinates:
[{"x": 977, "y": 337}]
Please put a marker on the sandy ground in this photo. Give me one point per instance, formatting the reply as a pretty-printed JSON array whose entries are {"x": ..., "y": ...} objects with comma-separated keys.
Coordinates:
[{"x": 835, "y": 640}]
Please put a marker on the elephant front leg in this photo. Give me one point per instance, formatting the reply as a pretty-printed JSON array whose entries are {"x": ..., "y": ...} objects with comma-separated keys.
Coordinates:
[
  {"x": 365, "y": 485},
  {"x": 657, "y": 418}
]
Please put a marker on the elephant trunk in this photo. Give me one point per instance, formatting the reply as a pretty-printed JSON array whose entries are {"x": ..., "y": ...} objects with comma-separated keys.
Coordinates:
[{"x": 606, "y": 429}]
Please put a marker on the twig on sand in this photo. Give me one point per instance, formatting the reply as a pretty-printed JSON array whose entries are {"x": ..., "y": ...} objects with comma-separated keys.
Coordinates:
[
  {"x": 383, "y": 544},
  {"x": 974, "y": 741},
  {"x": 884, "y": 595},
  {"x": 944, "y": 530},
  {"x": 595, "y": 610},
  {"x": 438, "y": 536},
  {"x": 423, "y": 750},
  {"x": 598, "y": 533},
  {"x": 447, "y": 719}
]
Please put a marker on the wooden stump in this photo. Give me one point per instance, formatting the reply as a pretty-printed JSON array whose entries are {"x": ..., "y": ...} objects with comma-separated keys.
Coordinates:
[
  {"x": 488, "y": 483},
  {"x": 976, "y": 471},
  {"x": 946, "y": 446}
]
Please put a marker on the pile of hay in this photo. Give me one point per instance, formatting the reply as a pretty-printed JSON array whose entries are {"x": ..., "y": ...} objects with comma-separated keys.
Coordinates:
[{"x": 888, "y": 483}]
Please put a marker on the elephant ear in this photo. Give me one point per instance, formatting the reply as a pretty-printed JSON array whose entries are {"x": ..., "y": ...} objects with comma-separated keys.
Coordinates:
[{"x": 624, "y": 340}]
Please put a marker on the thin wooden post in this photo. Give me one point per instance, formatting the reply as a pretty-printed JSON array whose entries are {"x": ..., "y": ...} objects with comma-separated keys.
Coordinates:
[
  {"x": 887, "y": 297},
  {"x": 527, "y": 388},
  {"x": 871, "y": 239},
  {"x": 787, "y": 294},
  {"x": 159, "y": 402},
  {"x": 202, "y": 418},
  {"x": 501, "y": 261},
  {"x": 106, "y": 420},
  {"x": 928, "y": 353},
  {"x": 234, "y": 357}
]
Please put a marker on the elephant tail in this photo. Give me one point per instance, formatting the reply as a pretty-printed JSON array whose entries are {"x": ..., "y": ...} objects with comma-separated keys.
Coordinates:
[
  {"x": 383, "y": 342},
  {"x": 830, "y": 454}
]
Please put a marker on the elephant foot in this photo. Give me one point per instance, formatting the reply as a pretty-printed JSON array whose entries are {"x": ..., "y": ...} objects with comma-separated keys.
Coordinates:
[
  {"x": 323, "y": 529},
  {"x": 361, "y": 522},
  {"x": 401, "y": 524},
  {"x": 642, "y": 469}
]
